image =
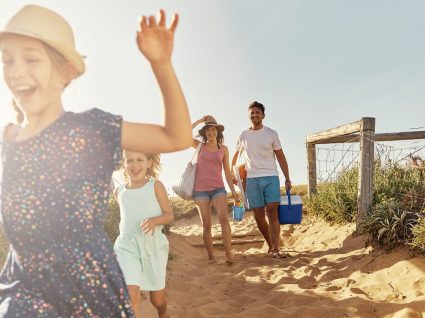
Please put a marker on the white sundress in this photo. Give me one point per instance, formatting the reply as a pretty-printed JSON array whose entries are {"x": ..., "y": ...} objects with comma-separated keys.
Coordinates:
[{"x": 142, "y": 257}]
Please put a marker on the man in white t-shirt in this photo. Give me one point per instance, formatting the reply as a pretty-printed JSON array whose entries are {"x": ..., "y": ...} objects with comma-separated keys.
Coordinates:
[{"x": 262, "y": 147}]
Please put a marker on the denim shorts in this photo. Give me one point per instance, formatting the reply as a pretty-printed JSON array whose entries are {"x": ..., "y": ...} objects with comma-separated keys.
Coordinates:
[
  {"x": 262, "y": 190},
  {"x": 209, "y": 195}
]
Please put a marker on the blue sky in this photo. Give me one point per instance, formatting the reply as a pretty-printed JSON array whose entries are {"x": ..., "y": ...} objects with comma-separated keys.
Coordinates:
[{"x": 313, "y": 64}]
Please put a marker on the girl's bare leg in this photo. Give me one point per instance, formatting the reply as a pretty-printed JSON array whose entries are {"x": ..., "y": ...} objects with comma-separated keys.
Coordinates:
[
  {"x": 135, "y": 298},
  {"x": 159, "y": 300}
]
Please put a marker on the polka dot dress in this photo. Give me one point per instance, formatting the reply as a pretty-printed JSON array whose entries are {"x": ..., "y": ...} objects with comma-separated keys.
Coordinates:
[{"x": 54, "y": 198}]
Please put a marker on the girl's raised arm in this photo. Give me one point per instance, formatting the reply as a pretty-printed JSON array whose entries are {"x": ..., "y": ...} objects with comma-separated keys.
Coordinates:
[{"x": 156, "y": 41}]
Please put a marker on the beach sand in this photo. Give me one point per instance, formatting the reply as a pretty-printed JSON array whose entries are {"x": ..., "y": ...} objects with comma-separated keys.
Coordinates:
[{"x": 330, "y": 274}]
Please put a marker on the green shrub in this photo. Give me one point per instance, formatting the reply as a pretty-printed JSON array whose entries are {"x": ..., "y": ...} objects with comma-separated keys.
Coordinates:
[
  {"x": 405, "y": 184},
  {"x": 398, "y": 199},
  {"x": 418, "y": 230},
  {"x": 388, "y": 224},
  {"x": 337, "y": 201},
  {"x": 112, "y": 219}
]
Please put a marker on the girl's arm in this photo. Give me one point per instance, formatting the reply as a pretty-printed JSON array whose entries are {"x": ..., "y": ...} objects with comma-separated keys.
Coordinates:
[
  {"x": 156, "y": 42},
  {"x": 227, "y": 173},
  {"x": 167, "y": 212}
]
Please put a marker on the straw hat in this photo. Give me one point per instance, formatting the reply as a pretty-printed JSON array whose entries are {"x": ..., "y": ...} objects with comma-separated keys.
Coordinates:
[
  {"x": 49, "y": 27},
  {"x": 210, "y": 121}
]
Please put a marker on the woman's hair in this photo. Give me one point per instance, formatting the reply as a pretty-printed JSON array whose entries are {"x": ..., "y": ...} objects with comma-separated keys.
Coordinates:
[
  {"x": 153, "y": 171},
  {"x": 58, "y": 61},
  {"x": 220, "y": 136}
]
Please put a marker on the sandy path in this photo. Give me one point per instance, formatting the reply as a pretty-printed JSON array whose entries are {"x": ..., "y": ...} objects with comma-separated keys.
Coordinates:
[{"x": 329, "y": 274}]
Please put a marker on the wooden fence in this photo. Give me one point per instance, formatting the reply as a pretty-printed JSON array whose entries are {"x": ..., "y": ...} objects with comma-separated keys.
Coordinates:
[{"x": 362, "y": 131}]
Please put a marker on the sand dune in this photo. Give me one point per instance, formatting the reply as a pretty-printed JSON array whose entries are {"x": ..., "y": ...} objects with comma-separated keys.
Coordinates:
[{"x": 330, "y": 274}]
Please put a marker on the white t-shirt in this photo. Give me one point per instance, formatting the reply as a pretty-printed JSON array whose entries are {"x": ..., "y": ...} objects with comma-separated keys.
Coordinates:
[{"x": 259, "y": 146}]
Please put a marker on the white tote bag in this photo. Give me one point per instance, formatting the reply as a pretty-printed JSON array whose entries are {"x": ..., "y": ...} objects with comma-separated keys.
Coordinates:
[{"x": 184, "y": 188}]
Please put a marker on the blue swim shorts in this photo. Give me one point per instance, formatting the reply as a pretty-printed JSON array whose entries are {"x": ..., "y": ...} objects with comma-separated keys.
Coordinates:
[
  {"x": 208, "y": 195},
  {"x": 262, "y": 190}
]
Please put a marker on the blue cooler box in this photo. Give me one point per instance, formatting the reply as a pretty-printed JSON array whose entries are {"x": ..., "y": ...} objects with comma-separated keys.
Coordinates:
[{"x": 290, "y": 209}]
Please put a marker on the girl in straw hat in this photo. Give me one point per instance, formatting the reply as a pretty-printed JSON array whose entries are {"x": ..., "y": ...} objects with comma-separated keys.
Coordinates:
[
  {"x": 57, "y": 167},
  {"x": 209, "y": 187}
]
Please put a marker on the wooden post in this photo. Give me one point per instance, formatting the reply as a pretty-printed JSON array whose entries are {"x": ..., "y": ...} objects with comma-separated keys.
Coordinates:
[
  {"x": 311, "y": 167},
  {"x": 365, "y": 183}
]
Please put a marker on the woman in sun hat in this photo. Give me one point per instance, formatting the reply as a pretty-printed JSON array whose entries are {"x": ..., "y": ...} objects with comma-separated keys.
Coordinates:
[
  {"x": 209, "y": 188},
  {"x": 57, "y": 168}
]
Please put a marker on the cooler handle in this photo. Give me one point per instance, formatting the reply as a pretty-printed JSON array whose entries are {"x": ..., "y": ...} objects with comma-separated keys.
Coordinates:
[{"x": 289, "y": 198}]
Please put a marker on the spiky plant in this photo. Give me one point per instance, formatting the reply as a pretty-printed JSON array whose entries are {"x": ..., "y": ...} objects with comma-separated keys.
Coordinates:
[
  {"x": 388, "y": 224},
  {"x": 418, "y": 231}
]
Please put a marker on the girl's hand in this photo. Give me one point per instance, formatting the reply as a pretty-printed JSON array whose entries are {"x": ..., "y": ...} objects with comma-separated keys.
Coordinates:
[
  {"x": 147, "y": 226},
  {"x": 154, "y": 40}
]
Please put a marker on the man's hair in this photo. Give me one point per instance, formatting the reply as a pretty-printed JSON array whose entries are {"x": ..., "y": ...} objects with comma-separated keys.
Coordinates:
[{"x": 258, "y": 105}]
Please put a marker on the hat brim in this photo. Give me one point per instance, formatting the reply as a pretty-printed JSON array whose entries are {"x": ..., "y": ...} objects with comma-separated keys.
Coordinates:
[
  {"x": 70, "y": 55},
  {"x": 218, "y": 126}
]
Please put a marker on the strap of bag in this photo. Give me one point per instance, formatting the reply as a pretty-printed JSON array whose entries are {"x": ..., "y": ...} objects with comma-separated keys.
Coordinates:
[{"x": 196, "y": 154}]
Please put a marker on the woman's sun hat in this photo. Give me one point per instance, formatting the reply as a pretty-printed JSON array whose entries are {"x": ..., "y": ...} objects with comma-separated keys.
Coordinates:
[
  {"x": 49, "y": 27},
  {"x": 210, "y": 121}
]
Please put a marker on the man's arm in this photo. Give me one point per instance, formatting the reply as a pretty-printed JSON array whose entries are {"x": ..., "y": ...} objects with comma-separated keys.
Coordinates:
[{"x": 281, "y": 159}]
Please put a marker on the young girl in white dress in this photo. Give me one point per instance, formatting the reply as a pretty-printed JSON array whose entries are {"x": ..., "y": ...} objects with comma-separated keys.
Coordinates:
[{"x": 141, "y": 247}]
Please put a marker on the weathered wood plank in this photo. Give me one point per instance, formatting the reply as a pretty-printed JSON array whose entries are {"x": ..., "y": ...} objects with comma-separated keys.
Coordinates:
[
  {"x": 219, "y": 237},
  {"x": 333, "y": 132},
  {"x": 408, "y": 135},
  {"x": 234, "y": 242}
]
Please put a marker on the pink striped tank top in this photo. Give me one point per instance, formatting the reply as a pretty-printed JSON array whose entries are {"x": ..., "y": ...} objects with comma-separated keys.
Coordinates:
[{"x": 208, "y": 171}]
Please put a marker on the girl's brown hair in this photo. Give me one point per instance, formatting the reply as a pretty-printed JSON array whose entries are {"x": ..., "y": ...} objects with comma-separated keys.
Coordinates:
[
  {"x": 155, "y": 168},
  {"x": 153, "y": 171},
  {"x": 19, "y": 114}
]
